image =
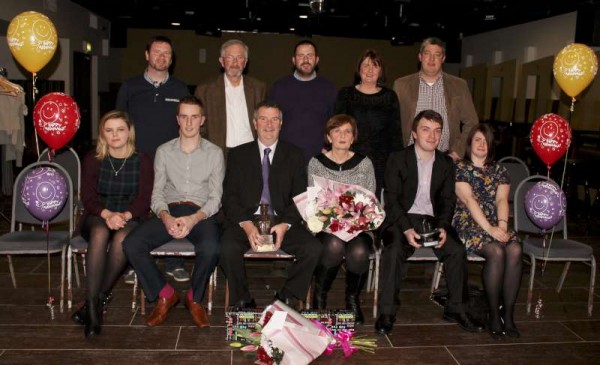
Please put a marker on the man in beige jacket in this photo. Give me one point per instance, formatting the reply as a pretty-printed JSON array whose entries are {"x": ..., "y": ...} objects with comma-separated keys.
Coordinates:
[
  {"x": 431, "y": 88},
  {"x": 230, "y": 99}
]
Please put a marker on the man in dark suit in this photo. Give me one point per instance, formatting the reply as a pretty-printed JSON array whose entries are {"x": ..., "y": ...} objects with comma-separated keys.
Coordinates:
[
  {"x": 243, "y": 190},
  {"x": 230, "y": 99},
  {"x": 419, "y": 191}
]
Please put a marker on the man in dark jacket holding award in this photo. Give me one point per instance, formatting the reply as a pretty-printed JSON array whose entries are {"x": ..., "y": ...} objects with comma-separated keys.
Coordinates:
[
  {"x": 269, "y": 171},
  {"x": 419, "y": 192}
]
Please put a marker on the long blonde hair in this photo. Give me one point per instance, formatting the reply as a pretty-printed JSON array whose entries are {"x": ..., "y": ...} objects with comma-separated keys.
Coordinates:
[{"x": 102, "y": 146}]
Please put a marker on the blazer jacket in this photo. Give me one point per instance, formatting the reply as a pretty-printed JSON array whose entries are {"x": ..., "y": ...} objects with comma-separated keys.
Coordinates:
[
  {"x": 402, "y": 181},
  {"x": 459, "y": 103},
  {"x": 243, "y": 183},
  {"x": 212, "y": 95}
]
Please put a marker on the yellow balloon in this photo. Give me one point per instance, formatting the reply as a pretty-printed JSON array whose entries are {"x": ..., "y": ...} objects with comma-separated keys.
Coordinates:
[
  {"x": 575, "y": 66},
  {"x": 32, "y": 40}
]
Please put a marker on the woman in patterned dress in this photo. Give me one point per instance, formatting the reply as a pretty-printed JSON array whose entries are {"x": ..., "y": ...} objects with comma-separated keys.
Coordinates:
[
  {"x": 481, "y": 221},
  {"x": 116, "y": 191},
  {"x": 342, "y": 165}
]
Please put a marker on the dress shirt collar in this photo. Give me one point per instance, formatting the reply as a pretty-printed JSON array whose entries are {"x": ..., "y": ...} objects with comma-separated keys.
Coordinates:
[{"x": 261, "y": 149}]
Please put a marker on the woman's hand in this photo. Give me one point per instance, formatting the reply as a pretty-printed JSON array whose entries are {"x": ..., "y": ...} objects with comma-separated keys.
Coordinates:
[
  {"x": 500, "y": 234},
  {"x": 115, "y": 220}
]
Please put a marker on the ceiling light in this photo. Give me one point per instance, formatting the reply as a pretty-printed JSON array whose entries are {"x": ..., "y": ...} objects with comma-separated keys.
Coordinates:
[
  {"x": 175, "y": 24},
  {"x": 490, "y": 17},
  {"x": 303, "y": 16},
  {"x": 317, "y": 6}
]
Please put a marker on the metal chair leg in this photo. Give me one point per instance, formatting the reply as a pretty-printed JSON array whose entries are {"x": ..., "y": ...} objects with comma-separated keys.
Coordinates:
[
  {"x": 12, "y": 271},
  {"x": 563, "y": 275},
  {"x": 531, "y": 279},
  {"x": 592, "y": 285}
]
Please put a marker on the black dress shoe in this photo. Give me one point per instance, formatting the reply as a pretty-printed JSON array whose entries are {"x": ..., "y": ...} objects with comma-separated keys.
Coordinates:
[
  {"x": 464, "y": 321},
  {"x": 512, "y": 332},
  {"x": 384, "y": 324},
  {"x": 241, "y": 305}
]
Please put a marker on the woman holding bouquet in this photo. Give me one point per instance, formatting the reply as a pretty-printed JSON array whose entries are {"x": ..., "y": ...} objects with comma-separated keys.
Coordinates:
[
  {"x": 116, "y": 191},
  {"x": 344, "y": 166},
  {"x": 481, "y": 221}
]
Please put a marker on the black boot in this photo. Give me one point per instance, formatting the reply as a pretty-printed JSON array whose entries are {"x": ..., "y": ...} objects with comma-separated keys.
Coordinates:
[
  {"x": 79, "y": 316},
  {"x": 354, "y": 285},
  {"x": 93, "y": 317},
  {"x": 324, "y": 277}
]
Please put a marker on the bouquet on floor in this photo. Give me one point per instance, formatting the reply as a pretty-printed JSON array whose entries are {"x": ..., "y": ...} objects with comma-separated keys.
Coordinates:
[
  {"x": 344, "y": 210},
  {"x": 285, "y": 337}
]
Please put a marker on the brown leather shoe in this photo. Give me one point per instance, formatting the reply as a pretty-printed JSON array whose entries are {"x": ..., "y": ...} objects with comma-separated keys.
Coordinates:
[
  {"x": 199, "y": 315},
  {"x": 159, "y": 314}
]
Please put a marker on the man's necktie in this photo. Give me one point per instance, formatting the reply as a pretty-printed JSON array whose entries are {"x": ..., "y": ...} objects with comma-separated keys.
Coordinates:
[{"x": 265, "y": 197}]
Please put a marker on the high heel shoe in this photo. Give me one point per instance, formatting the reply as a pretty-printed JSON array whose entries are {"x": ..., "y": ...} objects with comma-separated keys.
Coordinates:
[
  {"x": 510, "y": 331},
  {"x": 79, "y": 316},
  {"x": 496, "y": 334},
  {"x": 93, "y": 324}
]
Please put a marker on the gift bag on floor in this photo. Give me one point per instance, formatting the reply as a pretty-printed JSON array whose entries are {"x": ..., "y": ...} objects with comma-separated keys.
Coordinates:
[{"x": 301, "y": 340}]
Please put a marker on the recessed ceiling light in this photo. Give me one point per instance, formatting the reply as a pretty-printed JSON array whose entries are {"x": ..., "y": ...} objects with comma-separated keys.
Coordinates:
[
  {"x": 175, "y": 24},
  {"x": 303, "y": 17}
]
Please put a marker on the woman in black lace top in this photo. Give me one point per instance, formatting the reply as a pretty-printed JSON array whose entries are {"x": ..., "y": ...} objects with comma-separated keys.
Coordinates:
[{"x": 376, "y": 111}]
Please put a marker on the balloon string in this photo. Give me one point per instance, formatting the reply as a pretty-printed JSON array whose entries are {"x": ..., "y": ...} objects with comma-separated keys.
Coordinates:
[
  {"x": 47, "y": 227},
  {"x": 572, "y": 108},
  {"x": 33, "y": 94}
]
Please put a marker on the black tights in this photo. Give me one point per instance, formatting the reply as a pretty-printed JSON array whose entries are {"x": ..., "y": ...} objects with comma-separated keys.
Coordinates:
[
  {"x": 104, "y": 245},
  {"x": 502, "y": 279},
  {"x": 356, "y": 251}
]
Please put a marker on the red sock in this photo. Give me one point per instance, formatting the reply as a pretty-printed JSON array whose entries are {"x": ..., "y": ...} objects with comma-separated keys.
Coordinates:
[
  {"x": 190, "y": 295},
  {"x": 166, "y": 292}
]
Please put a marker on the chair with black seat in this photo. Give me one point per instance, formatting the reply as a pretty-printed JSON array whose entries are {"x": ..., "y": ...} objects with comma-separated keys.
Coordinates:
[
  {"x": 517, "y": 171},
  {"x": 38, "y": 242},
  {"x": 265, "y": 256},
  {"x": 68, "y": 158},
  {"x": 557, "y": 250}
]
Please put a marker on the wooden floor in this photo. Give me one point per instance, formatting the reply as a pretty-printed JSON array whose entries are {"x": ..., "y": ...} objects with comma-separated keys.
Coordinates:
[{"x": 563, "y": 335}]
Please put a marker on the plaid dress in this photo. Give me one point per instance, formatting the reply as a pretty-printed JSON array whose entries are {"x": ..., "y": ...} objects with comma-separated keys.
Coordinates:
[{"x": 116, "y": 190}]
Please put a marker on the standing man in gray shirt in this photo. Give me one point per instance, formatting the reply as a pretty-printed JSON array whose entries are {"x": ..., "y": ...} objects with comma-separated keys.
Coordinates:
[{"x": 188, "y": 185}]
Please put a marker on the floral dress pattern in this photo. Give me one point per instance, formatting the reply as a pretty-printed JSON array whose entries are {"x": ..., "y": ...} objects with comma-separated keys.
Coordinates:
[{"x": 484, "y": 183}]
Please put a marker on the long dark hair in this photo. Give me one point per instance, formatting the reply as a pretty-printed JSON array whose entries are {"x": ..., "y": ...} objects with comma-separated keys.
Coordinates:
[{"x": 488, "y": 134}]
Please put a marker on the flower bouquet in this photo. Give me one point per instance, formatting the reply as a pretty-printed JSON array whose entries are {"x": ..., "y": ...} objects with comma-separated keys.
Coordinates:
[
  {"x": 344, "y": 210},
  {"x": 285, "y": 337}
]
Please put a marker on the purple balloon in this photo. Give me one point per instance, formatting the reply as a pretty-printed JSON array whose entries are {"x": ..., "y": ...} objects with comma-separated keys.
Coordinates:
[
  {"x": 44, "y": 192},
  {"x": 545, "y": 204}
]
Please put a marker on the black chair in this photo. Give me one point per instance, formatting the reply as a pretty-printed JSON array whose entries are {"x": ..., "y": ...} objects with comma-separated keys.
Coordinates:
[
  {"x": 38, "y": 242},
  {"x": 557, "y": 250}
]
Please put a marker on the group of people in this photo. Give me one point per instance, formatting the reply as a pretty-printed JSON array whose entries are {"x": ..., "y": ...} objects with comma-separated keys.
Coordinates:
[{"x": 220, "y": 153}]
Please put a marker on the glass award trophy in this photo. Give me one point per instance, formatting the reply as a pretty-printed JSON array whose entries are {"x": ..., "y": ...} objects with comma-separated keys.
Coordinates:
[
  {"x": 429, "y": 237},
  {"x": 264, "y": 223}
]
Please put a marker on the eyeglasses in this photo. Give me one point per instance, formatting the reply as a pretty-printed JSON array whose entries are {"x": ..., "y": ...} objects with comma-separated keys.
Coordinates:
[
  {"x": 436, "y": 55},
  {"x": 230, "y": 58}
]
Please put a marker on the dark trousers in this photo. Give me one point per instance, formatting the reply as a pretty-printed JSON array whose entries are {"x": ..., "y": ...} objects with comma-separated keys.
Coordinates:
[
  {"x": 153, "y": 233},
  {"x": 395, "y": 252},
  {"x": 297, "y": 241}
]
